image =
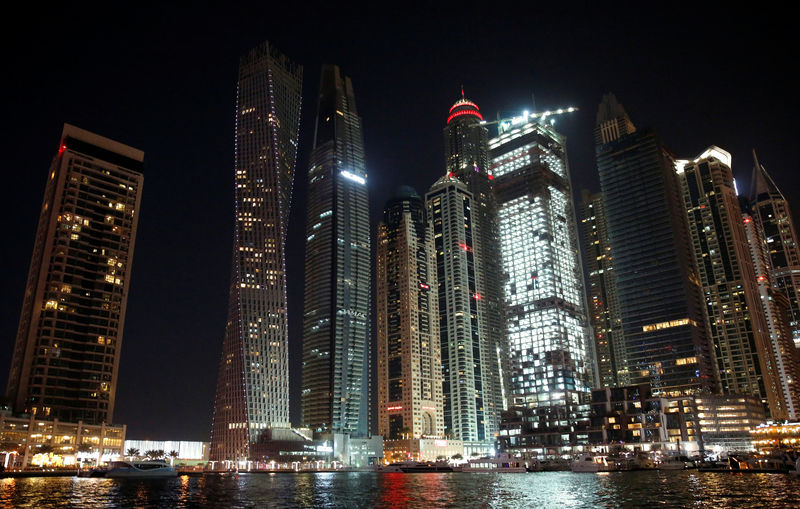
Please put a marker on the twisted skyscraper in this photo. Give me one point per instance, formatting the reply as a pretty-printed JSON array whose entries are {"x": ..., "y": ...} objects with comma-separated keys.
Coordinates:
[{"x": 253, "y": 384}]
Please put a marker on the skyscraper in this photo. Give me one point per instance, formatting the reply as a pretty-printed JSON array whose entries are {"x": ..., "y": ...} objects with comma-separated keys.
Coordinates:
[
  {"x": 602, "y": 293},
  {"x": 660, "y": 298},
  {"x": 253, "y": 383},
  {"x": 466, "y": 159},
  {"x": 550, "y": 349},
  {"x": 409, "y": 359},
  {"x": 737, "y": 324},
  {"x": 771, "y": 211},
  {"x": 67, "y": 351},
  {"x": 336, "y": 317}
]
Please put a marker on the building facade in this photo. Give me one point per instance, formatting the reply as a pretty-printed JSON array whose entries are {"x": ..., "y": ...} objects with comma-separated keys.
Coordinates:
[
  {"x": 253, "y": 383},
  {"x": 602, "y": 293},
  {"x": 27, "y": 441},
  {"x": 409, "y": 358},
  {"x": 660, "y": 299},
  {"x": 737, "y": 325},
  {"x": 770, "y": 210},
  {"x": 66, "y": 355},
  {"x": 467, "y": 159},
  {"x": 336, "y": 338},
  {"x": 551, "y": 354},
  {"x": 777, "y": 312}
]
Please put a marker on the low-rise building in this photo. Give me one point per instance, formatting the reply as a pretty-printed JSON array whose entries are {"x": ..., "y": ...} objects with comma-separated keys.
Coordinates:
[
  {"x": 188, "y": 452},
  {"x": 772, "y": 437},
  {"x": 726, "y": 421},
  {"x": 27, "y": 441},
  {"x": 422, "y": 449}
]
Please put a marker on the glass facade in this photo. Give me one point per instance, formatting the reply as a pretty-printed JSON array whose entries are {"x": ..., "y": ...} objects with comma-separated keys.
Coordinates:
[
  {"x": 66, "y": 355},
  {"x": 253, "y": 383},
  {"x": 336, "y": 339},
  {"x": 551, "y": 355},
  {"x": 660, "y": 299}
]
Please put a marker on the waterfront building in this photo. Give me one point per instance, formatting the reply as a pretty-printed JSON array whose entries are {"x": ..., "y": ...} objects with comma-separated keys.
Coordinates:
[
  {"x": 776, "y": 437},
  {"x": 26, "y": 440},
  {"x": 336, "y": 339},
  {"x": 770, "y": 210},
  {"x": 777, "y": 311},
  {"x": 602, "y": 292},
  {"x": 66, "y": 354},
  {"x": 658, "y": 289},
  {"x": 632, "y": 418},
  {"x": 409, "y": 359},
  {"x": 189, "y": 452},
  {"x": 253, "y": 383},
  {"x": 725, "y": 421},
  {"x": 551, "y": 355},
  {"x": 737, "y": 325},
  {"x": 474, "y": 355}
]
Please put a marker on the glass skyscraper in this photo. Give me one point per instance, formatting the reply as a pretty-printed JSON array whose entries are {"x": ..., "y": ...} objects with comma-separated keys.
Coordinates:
[
  {"x": 66, "y": 355},
  {"x": 551, "y": 354},
  {"x": 336, "y": 339},
  {"x": 659, "y": 291},
  {"x": 253, "y": 383}
]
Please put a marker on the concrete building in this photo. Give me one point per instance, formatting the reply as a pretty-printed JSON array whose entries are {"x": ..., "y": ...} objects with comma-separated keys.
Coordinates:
[
  {"x": 725, "y": 421},
  {"x": 336, "y": 315},
  {"x": 737, "y": 325},
  {"x": 602, "y": 293},
  {"x": 409, "y": 359},
  {"x": 253, "y": 382},
  {"x": 26, "y": 441},
  {"x": 67, "y": 350},
  {"x": 550, "y": 348},
  {"x": 189, "y": 452}
]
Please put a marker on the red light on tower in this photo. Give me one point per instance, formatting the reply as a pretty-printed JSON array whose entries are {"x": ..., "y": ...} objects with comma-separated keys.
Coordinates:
[
  {"x": 747, "y": 220},
  {"x": 478, "y": 296},
  {"x": 61, "y": 149}
]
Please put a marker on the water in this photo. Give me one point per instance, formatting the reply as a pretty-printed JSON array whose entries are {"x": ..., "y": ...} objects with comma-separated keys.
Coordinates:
[{"x": 650, "y": 489}]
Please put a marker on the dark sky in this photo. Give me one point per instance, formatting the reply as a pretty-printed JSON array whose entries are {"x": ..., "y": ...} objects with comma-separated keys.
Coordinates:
[{"x": 163, "y": 79}]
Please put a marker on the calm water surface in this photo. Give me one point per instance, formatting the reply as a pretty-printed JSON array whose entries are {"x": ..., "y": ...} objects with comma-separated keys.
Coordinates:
[{"x": 363, "y": 489}]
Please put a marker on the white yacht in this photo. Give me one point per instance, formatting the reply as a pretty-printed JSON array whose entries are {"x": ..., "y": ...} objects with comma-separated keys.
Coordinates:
[
  {"x": 152, "y": 469},
  {"x": 500, "y": 463},
  {"x": 591, "y": 463}
]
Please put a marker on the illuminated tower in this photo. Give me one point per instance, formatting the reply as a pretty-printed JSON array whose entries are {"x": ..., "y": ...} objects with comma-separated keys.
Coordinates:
[
  {"x": 466, "y": 159},
  {"x": 551, "y": 353},
  {"x": 602, "y": 293},
  {"x": 253, "y": 383},
  {"x": 660, "y": 298},
  {"x": 337, "y": 267},
  {"x": 737, "y": 324},
  {"x": 771, "y": 211},
  {"x": 66, "y": 355},
  {"x": 409, "y": 360}
]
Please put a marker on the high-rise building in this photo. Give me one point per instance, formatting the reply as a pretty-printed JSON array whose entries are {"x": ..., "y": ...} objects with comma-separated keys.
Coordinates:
[
  {"x": 253, "y": 383},
  {"x": 470, "y": 367},
  {"x": 551, "y": 355},
  {"x": 336, "y": 317},
  {"x": 660, "y": 298},
  {"x": 777, "y": 311},
  {"x": 66, "y": 355},
  {"x": 736, "y": 321},
  {"x": 466, "y": 159},
  {"x": 771, "y": 211},
  {"x": 602, "y": 293},
  {"x": 409, "y": 359}
]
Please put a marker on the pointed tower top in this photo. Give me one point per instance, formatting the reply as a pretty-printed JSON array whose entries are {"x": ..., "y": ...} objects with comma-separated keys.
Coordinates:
[
  {"x": 761, "y": 183},
  {"x": 612, "y": 121},
  {"x": 464, "y": 107}
]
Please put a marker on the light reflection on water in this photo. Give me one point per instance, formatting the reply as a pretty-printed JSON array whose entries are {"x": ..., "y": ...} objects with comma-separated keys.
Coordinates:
[{"x": 364, "y": 489}]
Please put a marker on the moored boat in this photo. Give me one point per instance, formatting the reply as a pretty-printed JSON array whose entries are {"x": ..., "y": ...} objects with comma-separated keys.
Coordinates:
[
  {"x": 153, "y": 469},
  {"x": 591, "y": 463},
  {"x": 500, "y": 463}
]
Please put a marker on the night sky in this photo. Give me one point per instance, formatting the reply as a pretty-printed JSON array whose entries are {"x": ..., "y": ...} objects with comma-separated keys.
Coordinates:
[{"x": 163, "y": 79}]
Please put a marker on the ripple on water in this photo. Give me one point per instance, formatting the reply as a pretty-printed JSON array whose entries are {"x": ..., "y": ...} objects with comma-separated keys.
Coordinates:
[{"x": 365, "y": 489}]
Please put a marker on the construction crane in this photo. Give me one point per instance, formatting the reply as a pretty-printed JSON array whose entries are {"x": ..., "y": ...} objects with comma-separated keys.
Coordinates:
[{"x": 527, "y": 116}]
